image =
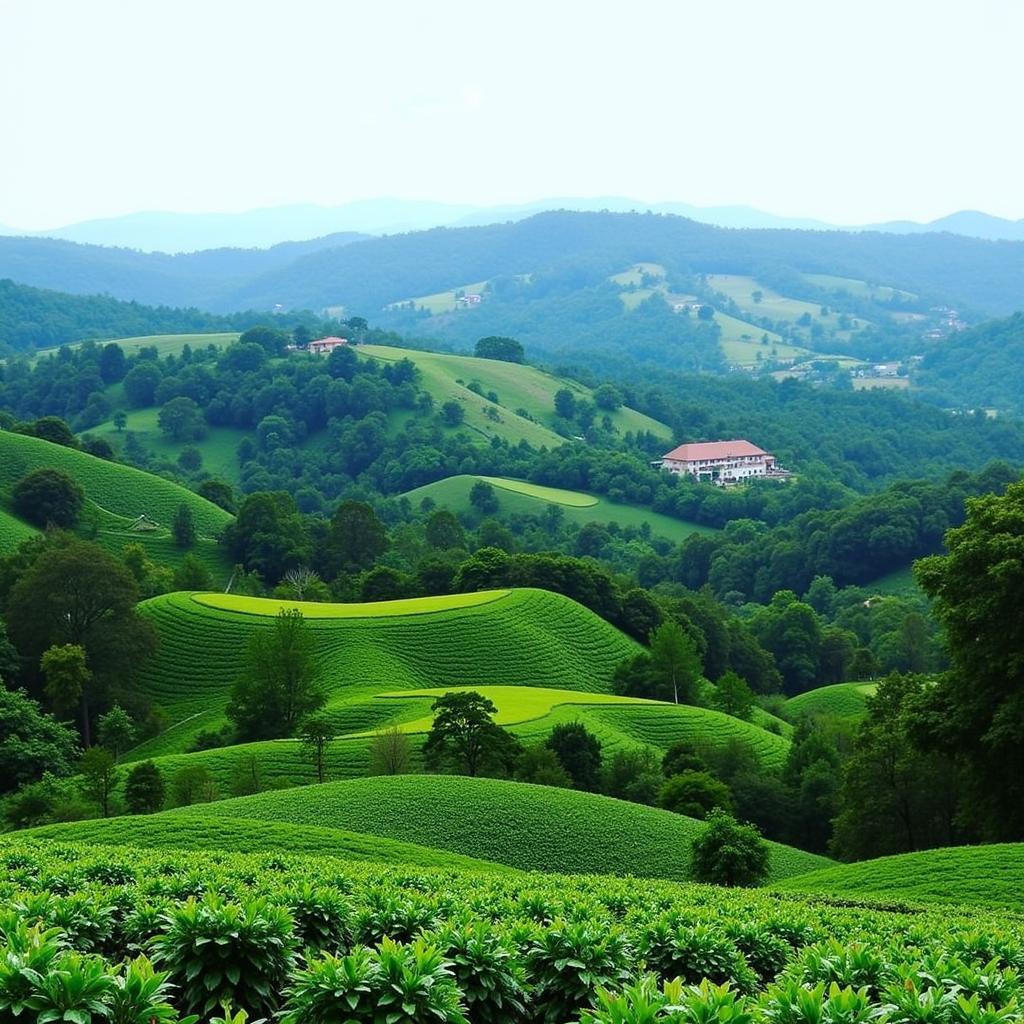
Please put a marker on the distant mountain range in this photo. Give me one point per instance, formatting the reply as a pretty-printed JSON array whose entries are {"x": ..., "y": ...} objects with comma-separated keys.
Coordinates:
[{"x": 190, "y": 232}]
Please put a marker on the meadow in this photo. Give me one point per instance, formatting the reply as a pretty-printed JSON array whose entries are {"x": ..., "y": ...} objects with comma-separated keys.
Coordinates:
[
  {"x": 165, "y": 344},
  {"x": 320, "y": 939},
  {"x": 518, "y": 387},
  {"x": 842, "y": 700},
  {"x": 862, "y": 289},
  {"x": 517, "y": 497},
  {"x": 979, "y": 876}
]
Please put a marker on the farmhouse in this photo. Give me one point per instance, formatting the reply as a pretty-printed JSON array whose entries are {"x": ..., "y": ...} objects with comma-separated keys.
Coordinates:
[
  {"x": 722, "y": 462},
  {"x": 325, "y": 346}
]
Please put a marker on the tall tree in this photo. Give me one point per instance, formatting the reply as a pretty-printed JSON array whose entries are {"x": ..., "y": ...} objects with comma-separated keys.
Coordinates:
[
  {"x": 48, "y": 497},
  {"x": 144, "y": 790},
  {"x": 31, "y": 742},
  {"x": 579, "y": 752},
  {"x": 464, "y": 733},
  {"x": 390, "y": 752},
  {"x": 728, "y": 853},
  {"x": 276, "y": 689},
  {"x": 67, "y": 682},
  {"x": 116, "y": 731},
  {"x": 357, "y": 536},
  {"x": 99, "y": 773},
  {"x": 975, "y": 712},
  {"x": 316, "y": 734},
  {"x": 676, "y": 660}
]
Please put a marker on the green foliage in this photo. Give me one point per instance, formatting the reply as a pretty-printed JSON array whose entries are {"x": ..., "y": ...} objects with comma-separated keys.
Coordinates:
[
  {"x": 463, "y": 733},
  {"x": 144, "y": 790},
  {"x": 675, "y": 662},
  {"x": 221, "y": 953},
  {"x": 99, "y": 777},
  {"x": 728, "y": 853},
  {"x": 115, "y": 730},
  {"x": 579, "y": 753},
  {"x": 734, "y": 696},
  {"x": 275, "y": 690},
  {"x": 48, "y": 497},
  {"x": 695, "y": 794},
  {"x": 31, "y": 742},
  {"x": 506, "y": 349}
]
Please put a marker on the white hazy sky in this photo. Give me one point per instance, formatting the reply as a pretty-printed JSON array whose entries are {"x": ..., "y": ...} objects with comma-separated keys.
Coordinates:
[{"x": 847, "y": 110}]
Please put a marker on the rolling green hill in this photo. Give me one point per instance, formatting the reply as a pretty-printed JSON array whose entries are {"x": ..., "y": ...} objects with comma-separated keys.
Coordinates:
[
  {"x": 846, "y": 700},
  {"x": 13, "y": 531},
  {"x": 517, "y": 497},
  {"x": 520, "y": 389},
  {"x": 177, "y": 832},
  {"x": 116, "y": 495},
  {"x": 165, "y": 344},
  {"x": 523, "y": 826},
  {"x": 521, "y": 637},
  {"x": 982, "y": 876}
]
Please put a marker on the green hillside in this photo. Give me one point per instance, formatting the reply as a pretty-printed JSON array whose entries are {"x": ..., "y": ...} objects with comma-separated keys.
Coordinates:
[
  {"x": 846, "y": 700},
  {"x": 522, "y": 637},
  {"x": 165, "y": 344},
  {"x": 116, "y": 496},
  {"x": 176, "y": 832},
  {"x": 13, "y": 531},
  {"x": 520, "y": 389},
  {"x": 523, "y": 826},
  {"x": 982, "y": 876},
  {"x": 516, "y": 497}
]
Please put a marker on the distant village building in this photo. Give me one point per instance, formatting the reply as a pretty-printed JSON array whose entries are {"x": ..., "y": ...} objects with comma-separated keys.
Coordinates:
[
  {"x": 887, "y": 369},
  {"x": 722, "y": 462},
  {"x": 325, "y": 346},
  {"x": 468, "y": 300}
]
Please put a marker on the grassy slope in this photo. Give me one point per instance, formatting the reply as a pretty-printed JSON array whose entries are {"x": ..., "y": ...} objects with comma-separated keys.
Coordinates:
[
  {"x": 526, "y": 637},
  {"x": 453, "y": 493},
  {"x": 981, "y": 876},
  {"x": 847, "y": 700},
  {"x": 13, "y": 531},
  {"x": 523, "y": 826},
  {"x": 517, "y": 386},
  {"x": 175, "y": 832},
  {"x": 165, "y": 344},
  {"x": 116, "y": 495}
]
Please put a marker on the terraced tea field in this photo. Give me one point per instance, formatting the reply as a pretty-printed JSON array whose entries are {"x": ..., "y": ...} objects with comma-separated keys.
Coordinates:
[
  {"x": 981, "y": 876},
  {"x": 523, "y": 826},
  {"x": 518, "y": 387},
  {"x": 516, "y": 638},
  {"x": 13, "y": 531},
  {"x": 517, "y": 497},
  {"x": 845, "y": 700}
]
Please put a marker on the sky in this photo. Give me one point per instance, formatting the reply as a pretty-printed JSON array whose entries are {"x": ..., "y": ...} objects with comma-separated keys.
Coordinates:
[{"x": 851, "y": 111}]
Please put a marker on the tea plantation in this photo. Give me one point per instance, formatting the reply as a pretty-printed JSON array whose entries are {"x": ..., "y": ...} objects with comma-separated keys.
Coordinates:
[
  {"x": 846, "y": 700},
  {"x": 984, "y": 876},
  {"x": 522, "y": 638},
  {"x": 523, "y": 826},
  {"x": 135, "y": 935},
  {"x": 517, "y": 497}
]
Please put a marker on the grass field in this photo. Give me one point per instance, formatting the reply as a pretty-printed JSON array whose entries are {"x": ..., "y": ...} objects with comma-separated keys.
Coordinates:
[
  {"x": 525, "y": 637},
  {"x": 534, "y": 828},
  {"x": 442, "y": 302},
  {"x": 885, "y": 383},
  {"x": 263, "y": 606},
  {"x": 177, "y": 832},
  {"x": 862, "y": 289},
  {"x": 898, "y": 583},
  {"x": 518, "y": 498},
  {"x": 116, "y": 495},
  {"x": 218, "y": 449},
  {"x": 13, "y": 531},
  {"x": 981, "y": 876},
  {"x": 844, "y": 700},
  {"x": 165, "y": 344},
  {"x": 517, "y": 386},
  {"x": 634, "y": 276}
]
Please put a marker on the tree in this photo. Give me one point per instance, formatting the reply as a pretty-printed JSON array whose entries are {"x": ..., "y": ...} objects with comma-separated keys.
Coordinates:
[
  {"x": 608, "y": 397},
  {"x": 682, "y": 757},
  {"x": 191, "y": 785},
  {"x": 98, "y": 769},
  {"x": 190, "y": 459},
  {"x": 444, "y": 531},
  {"x": 390, "y": 752},
  {"x": 634, "y": 774},
  {"x": 357, "y": 536},
  {"x": 728, "y": 853},
  {"x": 565, "y": 403},
  {"x": 975, "y": 712},
  {"x": 48, "y": 496},
  {"x": 694, "y": 794},
  {"x": 579, "y": 752},
  {"x": 219, "y": 492},
  {"x": 268, "y": 535},
  {"x": 463, "y": 732},
  {"x": 76, "y": 593},
  {"x": 734, "y": 697},
  {"x": 675, "y": 659},
  {"x": 452, "y": 413},
  {"x": 113, "y": 364},
  {"x": 120, "y": 421},
  {"x": 183, "y": 527},
  {"x": 67, "y": 682},
  {"x": 116, "y": 731},
  {"x": 275, "y": 690},
  {"x": 140, "y": 384},
  {"x": 791, "y": 631},
  {"x": 144, "y": 790},
  {"x": 539, "y": 764},
  {"x": 273, "y": 340},
  {"x": 316, "y": 735},
  {"x": 54, "y": 430},
  {"x": 9, "y": 662},
  {"x": 192, "y": 574},
  {"x": 31, "y": 742},
  {"x": 706, "y": 313},
  {"x": 483, "y": 498},
  {"x": 495, "y": 347},
  {"x": 181, "y": 419},
  {"x": 302, "y": 584}
]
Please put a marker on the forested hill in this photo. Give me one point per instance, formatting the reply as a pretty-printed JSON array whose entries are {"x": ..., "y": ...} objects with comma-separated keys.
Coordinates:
[
  {"x": 980, "y": 368},
  {"x": 985, "y": 277},
  {"x": 187, "y": 279}
]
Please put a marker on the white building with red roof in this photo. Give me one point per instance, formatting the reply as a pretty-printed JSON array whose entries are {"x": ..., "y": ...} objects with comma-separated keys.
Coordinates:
[
  {"x": 325, "y": 346},
  {"x": 722, "y": 462}
]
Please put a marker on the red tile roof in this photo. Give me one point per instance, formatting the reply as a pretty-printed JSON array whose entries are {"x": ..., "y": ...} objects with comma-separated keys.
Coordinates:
[{"x": 713, "y": 450}]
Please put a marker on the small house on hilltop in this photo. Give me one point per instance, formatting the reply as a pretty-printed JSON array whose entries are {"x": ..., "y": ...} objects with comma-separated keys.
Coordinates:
[
  {"x": 722, "y": 462},
  {"x": 325, "y": 346}
]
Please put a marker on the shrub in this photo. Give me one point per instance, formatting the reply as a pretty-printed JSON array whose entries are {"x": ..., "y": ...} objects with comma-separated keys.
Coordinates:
[
  {"x": 491, "y": 979},
  {"x": 694, "y": 794},
  {"x": 48, "y": 496},
  {"x": 694, "y": 954},
  {"x": 728, "y": 853}
]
